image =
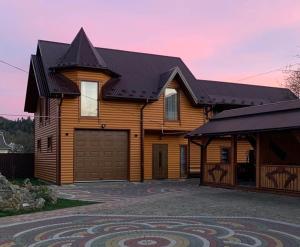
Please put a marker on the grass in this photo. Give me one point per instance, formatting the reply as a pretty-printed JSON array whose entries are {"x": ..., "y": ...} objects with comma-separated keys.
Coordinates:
[
  {"x": 33, "y": 181},
  {"x": 61, "y": 203}
]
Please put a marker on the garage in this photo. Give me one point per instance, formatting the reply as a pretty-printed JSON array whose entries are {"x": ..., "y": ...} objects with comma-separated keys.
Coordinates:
[{"x": 100, "y": 154}]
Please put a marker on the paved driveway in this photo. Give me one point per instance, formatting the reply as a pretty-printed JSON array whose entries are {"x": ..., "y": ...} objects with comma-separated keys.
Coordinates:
[{"x": 160, "y": 214}]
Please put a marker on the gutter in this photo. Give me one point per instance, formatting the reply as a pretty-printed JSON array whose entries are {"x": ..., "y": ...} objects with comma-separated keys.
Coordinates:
[
  {"x": 58, "y": 144},
  {"x": 142, "y": 137}
]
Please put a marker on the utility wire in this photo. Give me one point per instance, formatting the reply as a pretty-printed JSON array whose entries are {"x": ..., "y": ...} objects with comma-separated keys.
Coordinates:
[
  {"x": 13, "y": 66},
  {"x": 282, "y": 69}
]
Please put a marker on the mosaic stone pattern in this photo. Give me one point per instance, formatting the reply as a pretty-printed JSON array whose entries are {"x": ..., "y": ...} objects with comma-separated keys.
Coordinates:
[{"x": 139, "y": 231}]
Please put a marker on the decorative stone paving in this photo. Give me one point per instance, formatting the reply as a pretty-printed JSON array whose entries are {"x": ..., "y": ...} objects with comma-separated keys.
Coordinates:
[
  {"x": 140, "y": 231},
  {"x": 119, "y": 191}
]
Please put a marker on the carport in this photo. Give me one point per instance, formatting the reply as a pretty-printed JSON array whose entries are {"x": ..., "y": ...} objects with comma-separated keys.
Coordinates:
[{"x": 273, "y": 130}]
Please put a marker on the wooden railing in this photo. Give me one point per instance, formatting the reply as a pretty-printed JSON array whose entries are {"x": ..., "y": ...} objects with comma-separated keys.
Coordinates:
[
  {"x": 280, "y": 177},
  {"x": 217, "y": 173}
]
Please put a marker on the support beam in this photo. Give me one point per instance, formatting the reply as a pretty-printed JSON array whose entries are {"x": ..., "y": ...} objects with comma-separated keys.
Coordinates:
[
  {"x": 203, "y": 162},
  {"x": 233, "y": 159},
  {"x": 258, "y": 159}
]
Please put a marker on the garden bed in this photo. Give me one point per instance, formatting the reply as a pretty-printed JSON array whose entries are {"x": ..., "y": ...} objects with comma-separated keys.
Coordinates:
[{"x": 61, "y": 203}]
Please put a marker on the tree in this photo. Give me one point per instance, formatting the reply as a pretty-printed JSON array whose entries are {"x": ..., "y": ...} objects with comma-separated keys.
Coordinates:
[{"x": 292, "y": 81}]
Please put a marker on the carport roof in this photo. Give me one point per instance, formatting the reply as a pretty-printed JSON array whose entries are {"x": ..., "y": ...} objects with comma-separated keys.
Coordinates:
[{"x": 275, "y": 116}]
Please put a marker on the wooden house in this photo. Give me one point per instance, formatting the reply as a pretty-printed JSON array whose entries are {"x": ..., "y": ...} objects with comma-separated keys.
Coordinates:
[{"x": 119, "y": 115}]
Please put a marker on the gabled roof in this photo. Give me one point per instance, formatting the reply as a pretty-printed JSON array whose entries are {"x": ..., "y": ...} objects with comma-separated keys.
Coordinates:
[
  {"x": 244, "y": 94},
  {"x": 276, "y": 116},
  {"x": 169, "y": 76}
]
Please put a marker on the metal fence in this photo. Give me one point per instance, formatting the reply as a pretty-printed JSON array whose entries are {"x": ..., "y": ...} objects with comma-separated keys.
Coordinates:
[{"x": 17, "y": 165}]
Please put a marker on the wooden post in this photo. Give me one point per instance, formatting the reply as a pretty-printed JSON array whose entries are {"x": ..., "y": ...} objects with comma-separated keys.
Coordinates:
[
  {"x": 258, "y": 160},
  {"x": 203, "y": 162},
  {"x": 188, "y": 158},
  {"x": 233, "y": 159}
]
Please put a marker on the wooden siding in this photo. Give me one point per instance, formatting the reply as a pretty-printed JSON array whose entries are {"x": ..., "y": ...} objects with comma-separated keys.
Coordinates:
[
  {"x": 125, "y": 115},
  {"x": 113, "y": 114},
  {"x": 214, "y": 150},
  {"x": 45, "y": 160},
  {"x": 191, "y": 117},
  {"x": 280, "y": 177},
  {"x": 174, "y": 143}
]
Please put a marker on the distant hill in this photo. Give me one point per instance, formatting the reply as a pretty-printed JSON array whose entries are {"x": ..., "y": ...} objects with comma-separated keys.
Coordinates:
[{"x": 18, "y": 131}]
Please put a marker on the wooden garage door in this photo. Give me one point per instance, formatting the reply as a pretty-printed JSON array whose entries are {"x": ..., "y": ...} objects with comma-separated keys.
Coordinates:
[{"x": 100, "y": 154}]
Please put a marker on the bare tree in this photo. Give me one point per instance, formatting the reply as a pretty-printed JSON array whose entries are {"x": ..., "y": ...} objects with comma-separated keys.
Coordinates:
[{"x": 292, "y": 81}]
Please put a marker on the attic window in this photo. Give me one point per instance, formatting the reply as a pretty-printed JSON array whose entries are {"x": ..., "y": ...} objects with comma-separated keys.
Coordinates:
[
  {"x": 89, "y": 99},
  {"x": 171, "y": 104}
]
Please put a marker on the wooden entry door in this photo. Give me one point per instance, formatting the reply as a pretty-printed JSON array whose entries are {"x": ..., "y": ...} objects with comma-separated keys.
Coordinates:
[{"x": 160, "y": 161}]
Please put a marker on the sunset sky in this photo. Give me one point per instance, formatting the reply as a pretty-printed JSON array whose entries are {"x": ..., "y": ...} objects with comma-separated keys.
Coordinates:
[{"x": 228, "y": 40}]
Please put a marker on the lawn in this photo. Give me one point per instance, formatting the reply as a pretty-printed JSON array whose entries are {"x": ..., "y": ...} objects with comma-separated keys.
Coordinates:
[
  {"x": 33, "y": 181},
  {"x": 61, "y": 203}
]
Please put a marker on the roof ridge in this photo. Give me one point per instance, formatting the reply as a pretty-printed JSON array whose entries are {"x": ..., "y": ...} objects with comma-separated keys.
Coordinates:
[
  {"x": 112, "y": 49},
  {"x": 242, "y": 84},
  {"x": 253, "y": 107}
]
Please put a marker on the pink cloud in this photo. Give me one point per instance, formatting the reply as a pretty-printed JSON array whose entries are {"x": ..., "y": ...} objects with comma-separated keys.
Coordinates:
[{"x": 200, "y": 32}]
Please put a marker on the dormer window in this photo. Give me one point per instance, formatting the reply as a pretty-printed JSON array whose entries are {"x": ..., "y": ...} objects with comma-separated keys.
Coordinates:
[
  {"x": 171, "y": 104},
  {"x": 89, "y": 99}
]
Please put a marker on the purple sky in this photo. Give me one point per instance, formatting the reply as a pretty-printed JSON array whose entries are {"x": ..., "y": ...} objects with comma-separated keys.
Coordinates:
[{"x": 218, "y": 39}]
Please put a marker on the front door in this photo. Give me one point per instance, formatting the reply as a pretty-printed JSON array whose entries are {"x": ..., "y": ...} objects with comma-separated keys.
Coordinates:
[
  {"x": 160, "y": 161},
  {"x": 183, "y": 161}
]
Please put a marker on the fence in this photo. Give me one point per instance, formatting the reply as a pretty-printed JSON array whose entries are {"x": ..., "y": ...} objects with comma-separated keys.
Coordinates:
[{"x": 17, "y": 165}]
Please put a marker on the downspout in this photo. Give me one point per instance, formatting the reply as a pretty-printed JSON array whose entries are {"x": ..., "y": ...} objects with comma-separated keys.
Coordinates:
[
  {"x": 58, "y": 144},
  {"x": 142, "y": 136}
]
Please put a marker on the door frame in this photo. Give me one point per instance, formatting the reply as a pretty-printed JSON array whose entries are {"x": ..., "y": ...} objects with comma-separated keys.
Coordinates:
[{"x": 167, "y": 165}]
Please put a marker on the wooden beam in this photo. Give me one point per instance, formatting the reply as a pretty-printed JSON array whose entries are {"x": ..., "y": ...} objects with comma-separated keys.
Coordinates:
[
  {"x": 258, "y": 159},
  {"x": 203, "y": 162},
  {"x": 233, "y": 159}
]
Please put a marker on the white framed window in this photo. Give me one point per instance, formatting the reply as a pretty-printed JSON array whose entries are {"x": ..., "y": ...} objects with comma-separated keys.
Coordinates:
[
  {"x": 171, "y": 104},
  {"x": 89, "y": 99}
]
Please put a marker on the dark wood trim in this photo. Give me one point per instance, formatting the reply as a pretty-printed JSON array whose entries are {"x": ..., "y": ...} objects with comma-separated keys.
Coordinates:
[
  {"x": 58, "y": 143},
  {"x": 258, "y": 159},
  {"x": 187, "y": 158},
  {"x": 233, "y": 158}
]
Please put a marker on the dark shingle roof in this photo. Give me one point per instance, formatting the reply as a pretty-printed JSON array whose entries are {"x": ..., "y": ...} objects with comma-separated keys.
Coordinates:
[
  {"x": 81, "y": 53},
  {"x": 244, "y": 94},
  {"x": 140, "y": 73},
  {"x": 136, "y": 76},
  {"x": 276, "y": 116}
]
